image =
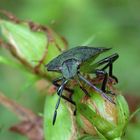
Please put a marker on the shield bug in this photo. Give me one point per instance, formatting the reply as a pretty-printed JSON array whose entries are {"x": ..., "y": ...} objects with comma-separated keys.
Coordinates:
[{"x": 80, "y": 59}]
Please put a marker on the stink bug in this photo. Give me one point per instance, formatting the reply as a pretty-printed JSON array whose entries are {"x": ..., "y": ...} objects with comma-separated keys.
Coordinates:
[{"x": 80, "y": 59}]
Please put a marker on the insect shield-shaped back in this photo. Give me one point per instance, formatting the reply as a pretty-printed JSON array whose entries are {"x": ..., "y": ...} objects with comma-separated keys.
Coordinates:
[
  {"x": 69, "y": 68},
  {"x": 76, "y": 56}
]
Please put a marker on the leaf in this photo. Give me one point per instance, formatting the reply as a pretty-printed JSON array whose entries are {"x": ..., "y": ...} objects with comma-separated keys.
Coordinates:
[
  {"x": 32, "y": 45},
  {"x": 29, "y": 42},
  {"x": 64, "y": 128}
]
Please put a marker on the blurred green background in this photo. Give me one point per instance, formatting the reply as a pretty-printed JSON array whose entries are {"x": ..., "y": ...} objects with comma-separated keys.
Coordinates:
[{"x": 110, "y": 23}]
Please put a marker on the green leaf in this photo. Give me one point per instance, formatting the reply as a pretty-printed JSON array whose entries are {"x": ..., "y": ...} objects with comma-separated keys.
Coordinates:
[
  {"x": 33, "y": 49},
  {"x": 64, "y": 126},
  {"x": 32, "y": 45},
  {"x": 29, "y": 45}
]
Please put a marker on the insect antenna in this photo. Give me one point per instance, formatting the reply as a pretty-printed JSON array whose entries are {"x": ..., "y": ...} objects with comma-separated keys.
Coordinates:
[{"x": 59, "y": 92}]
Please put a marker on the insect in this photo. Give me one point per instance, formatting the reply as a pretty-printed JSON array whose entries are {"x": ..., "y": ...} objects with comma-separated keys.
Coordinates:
[{"x": 80, "y": 59}]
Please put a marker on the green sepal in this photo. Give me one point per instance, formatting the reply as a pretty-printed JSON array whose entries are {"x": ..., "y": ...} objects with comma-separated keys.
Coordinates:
[
  {"x": 102, "y": 125},
  {"x": 123, "y": 114}
]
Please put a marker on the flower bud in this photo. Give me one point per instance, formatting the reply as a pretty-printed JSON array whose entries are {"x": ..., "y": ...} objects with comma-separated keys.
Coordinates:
[{"x": 97, "y": 115}]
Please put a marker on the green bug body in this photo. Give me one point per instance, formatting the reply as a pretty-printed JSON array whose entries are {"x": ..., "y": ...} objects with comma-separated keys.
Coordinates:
[
  {"x": 69, "y": 61},
  {"x": 80, "y": 59}
]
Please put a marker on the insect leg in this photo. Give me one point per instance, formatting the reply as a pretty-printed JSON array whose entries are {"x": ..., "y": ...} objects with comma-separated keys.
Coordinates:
[
  {"x": 55, "y": 82},
  {"x": 95, "y": 88},
  {"x": 104, "y": 83},
  {"x": 69, "y": 100},
  {"x": 83, "y": 89},
  {"x": 59, "y": 92},
  {"x": 109, "y": 60},
  {"x": 103, "y": 87}
]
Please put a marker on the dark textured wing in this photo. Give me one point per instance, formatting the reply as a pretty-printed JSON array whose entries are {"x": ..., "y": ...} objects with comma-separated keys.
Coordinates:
[{"x": 80, "y": 53}]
